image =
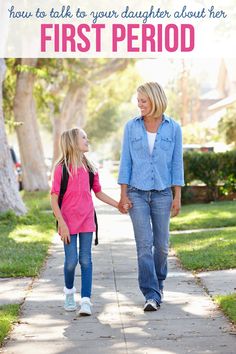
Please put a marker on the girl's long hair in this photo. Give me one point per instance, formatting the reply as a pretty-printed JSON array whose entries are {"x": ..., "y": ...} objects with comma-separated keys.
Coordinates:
[{"x": 71, "y": 156}]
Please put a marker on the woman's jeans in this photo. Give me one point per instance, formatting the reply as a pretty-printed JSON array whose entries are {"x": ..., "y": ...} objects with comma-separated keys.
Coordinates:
[
  {"x": 150, "y": 215},
  {"x": 85, "y": 261}
]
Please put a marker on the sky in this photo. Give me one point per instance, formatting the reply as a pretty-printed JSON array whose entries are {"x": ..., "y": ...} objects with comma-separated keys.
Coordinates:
[{"x": 163, "y": 70}]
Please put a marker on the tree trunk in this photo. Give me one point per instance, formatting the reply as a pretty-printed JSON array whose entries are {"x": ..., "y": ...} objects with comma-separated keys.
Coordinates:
[
  {"x": 56, "y": 124},
  {"x": 73, "y": 110},
  {"x": 73, "y": 113},
  {"x": 31, "y": 151},
  {"x": 9, "y": 195}
]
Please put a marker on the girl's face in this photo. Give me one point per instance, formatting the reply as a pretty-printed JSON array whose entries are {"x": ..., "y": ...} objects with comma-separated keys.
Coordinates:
[
  {"x": 83, "y": 141},
  {"x": 144, "y": 104}
]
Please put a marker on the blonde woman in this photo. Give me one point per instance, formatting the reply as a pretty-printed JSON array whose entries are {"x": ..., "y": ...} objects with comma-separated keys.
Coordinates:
[
  {"x": 151, "y": 163},
  {"x": 76, "y": 216}
]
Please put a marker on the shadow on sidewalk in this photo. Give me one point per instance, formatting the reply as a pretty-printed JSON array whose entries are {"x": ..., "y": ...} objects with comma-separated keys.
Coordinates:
[{"x": 187, "y": 322}]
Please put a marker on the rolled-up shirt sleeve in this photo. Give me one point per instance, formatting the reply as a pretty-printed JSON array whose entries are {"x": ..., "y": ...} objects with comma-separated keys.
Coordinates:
[
  {"x": 177, "y": 168},
  {"x": 125, "y": 161},
  {"x": 56, "y": 181},
  {"x": 96, "y": 184}
]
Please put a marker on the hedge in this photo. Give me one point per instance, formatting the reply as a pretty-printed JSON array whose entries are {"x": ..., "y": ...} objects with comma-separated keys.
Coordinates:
[{"x": 216, "y": 170}]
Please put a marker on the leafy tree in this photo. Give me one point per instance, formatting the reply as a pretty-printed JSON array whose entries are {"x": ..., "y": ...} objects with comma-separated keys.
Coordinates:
[
  {"x": 183, "y": 97},
  {"x": 106, "y": 103},
  {"x": 198, "y": 133},
  {"x": 227, "y": 125},
  {"x": 56, "y": 93},
  {"x": 80, "y": 77}
]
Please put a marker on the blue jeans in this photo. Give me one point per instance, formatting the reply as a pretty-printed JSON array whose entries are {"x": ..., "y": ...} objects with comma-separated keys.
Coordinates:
[
  {"x": 150, "y": 216},
  {"x": 85, "y": 261}
]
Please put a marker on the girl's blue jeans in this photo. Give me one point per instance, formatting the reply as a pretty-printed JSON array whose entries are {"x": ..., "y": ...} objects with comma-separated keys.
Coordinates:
[
  {"x": 85, "y": 260},
  {"x": 150, "y": 216}
]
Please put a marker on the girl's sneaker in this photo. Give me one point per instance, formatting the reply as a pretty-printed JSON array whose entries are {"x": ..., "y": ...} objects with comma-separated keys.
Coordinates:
[
  {"x": 70, "y": 304},
  {"x": 85, "y": 309}
]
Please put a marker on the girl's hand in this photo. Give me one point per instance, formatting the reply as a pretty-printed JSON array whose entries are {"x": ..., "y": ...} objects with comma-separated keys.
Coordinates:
[
  {"x": 64, "y": 232},
  {"x": 124, "y": 204},
  {"x": 126, "y": 207}
]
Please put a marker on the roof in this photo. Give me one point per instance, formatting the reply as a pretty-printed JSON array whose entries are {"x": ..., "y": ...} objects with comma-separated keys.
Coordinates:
[{"x": 223, "y": 103}]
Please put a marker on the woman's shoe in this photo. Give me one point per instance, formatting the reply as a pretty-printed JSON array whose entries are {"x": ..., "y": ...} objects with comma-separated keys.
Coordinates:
[
  {"x": 85, "y": 309},
  {"x": 151, "y": 305}
]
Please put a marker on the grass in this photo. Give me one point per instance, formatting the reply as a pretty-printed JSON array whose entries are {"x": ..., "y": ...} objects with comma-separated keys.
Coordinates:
[
  {"x": 24, "y": 240},
  {"x": 209, "y": 250},
  {"x": 8, "y": 315},
  {"x": 205, "y": 216},
  {"x": 228, "y": 305}
]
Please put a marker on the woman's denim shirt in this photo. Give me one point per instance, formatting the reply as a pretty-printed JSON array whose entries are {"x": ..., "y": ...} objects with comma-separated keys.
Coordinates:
[{"x": 160, "y": 170}]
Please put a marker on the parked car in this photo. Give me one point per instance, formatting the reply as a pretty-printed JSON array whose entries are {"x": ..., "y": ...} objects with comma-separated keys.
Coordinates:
[{"x": 198, "y": 147}]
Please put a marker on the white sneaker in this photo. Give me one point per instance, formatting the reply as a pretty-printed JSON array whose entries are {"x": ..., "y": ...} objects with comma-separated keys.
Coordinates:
[
  {"x": 151, "y": 305},
  {"x": 70, "y": 304},
  {"x": 85, "y": 309}
]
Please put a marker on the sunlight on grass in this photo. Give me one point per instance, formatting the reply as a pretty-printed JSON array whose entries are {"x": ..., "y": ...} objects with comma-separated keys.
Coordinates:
[
  {"x": 198, "y": 216},
  {"x": 228, "y": 304},
  {"x": 24, "y": 240},
  {"x": 8, "y": 315},
  {"x": 208, "y": 250},
  {"x": 23, "y": 234}
]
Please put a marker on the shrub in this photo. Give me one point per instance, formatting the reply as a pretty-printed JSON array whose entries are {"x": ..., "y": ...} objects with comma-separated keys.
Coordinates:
[{"x": 213, "y": 169}]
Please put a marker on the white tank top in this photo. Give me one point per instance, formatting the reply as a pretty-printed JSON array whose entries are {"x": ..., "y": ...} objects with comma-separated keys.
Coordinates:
[{"x": 151, "y": 141}]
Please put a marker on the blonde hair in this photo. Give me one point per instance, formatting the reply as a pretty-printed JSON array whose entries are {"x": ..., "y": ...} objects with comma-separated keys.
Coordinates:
[
  {"x": 157, "y": 96},
  {"x": 70, "y": 152}
]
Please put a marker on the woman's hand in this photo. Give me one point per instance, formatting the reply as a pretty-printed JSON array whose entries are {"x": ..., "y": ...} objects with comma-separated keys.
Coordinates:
[
  {"x": 64, "y": 232},
  {"x": 176, "y": 206},
  {"x": 124, "y": 204}
]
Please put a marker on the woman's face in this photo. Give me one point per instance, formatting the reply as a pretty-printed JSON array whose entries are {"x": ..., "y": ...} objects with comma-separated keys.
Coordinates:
[
  {"x": 83, "y": 141},
  {"x": 144, "y": 104}
]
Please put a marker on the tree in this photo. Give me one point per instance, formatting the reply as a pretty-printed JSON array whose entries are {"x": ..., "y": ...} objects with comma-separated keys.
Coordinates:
[
  {"x": 227, "y": 125},
  {"x": 82, "y": 75},
  {"x": 9, "y": 195},
  {"x": 31, "y": 151},
  {"x": 62, "y": 90},
  {"x": 107, "y": 104},
  {"x": 183, "y": 97}
]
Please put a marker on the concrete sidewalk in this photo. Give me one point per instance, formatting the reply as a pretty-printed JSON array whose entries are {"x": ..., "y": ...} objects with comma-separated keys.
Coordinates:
[{"x": 188, "y": 321}]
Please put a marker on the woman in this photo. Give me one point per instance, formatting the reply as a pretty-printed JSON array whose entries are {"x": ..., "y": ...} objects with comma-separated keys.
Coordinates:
[{"x": 151, "y": 163}]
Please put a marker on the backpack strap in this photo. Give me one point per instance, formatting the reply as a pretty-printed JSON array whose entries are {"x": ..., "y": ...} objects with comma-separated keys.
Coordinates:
[
  {"x": 91, "y": 180},
  {"x": 64, "y": 183},
  {"x": 63, "y": 187}
]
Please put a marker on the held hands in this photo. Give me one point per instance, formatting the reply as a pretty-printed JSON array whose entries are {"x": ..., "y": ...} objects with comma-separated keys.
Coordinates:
[
  {"x": 176, "y": 206},
  {"x": 124, "y": 204},
  {"x": 63, "y": 231}
]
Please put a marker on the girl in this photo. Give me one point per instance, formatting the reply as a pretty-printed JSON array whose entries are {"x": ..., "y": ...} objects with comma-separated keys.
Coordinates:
[{"x": 76, "y": 216}]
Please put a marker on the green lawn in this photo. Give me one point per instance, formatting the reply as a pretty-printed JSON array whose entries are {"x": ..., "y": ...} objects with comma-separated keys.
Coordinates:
[
  {"x": 209, "y": 250},
  {"x": 205, "y": 216},
  {"x": 8, "y": 315},
  {"x": 228, "y": 304},
  {"x": 24, "y": 240}
]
